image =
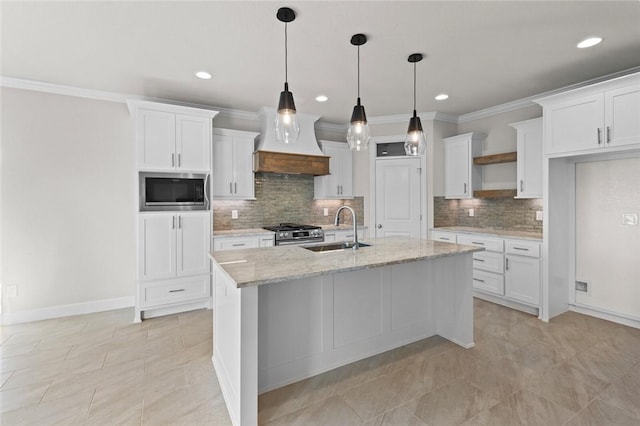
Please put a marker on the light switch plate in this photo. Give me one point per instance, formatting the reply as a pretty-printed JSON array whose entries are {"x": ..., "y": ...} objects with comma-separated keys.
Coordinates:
[
  {"x": 539, "y": 215},
  {"x": 234, "y": 214},
  {"x": 630, "y": 219},
  {"x": 472, "y": 212},
  {"x": 325, "y": 211}
]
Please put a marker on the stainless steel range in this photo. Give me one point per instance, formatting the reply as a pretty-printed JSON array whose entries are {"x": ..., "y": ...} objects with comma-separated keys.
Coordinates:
[{"x": 292, "y": 233}]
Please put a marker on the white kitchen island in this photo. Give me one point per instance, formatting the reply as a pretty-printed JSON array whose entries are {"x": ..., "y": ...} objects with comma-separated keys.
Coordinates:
[{"x": 286, "y": 313}]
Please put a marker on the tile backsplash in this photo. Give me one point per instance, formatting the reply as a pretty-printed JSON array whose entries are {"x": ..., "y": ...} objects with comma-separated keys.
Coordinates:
[
  {"x": 281, "y": 198},
  {"x": 497, "y": 213}
]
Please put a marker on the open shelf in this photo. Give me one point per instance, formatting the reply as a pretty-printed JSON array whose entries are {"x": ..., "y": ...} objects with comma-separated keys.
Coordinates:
[
  {"x": 506, "y": 157},
  {"x": 495, "y": 193}
]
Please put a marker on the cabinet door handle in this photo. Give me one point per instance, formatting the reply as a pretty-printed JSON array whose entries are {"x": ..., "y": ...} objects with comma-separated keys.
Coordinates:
[
  {"x": 337, "y": 189},
  {"x": 179, "y": 160},
  {"x": 379, "y": 226},
  {"x": 608, "y": 134},
  {"x": 445, "y": 238},
  {"x": 173, "y": 223},
  {"x": 475, "y": 242},
  {"x": 173, "y": 160},
  {"x": 230, "y": 187},
  {"x": 465, "y": 188},
  {"x": 521, "y": 185},
  {"x": 479, "y": 280},
  {"x": 235, "y": 187},
  {"x": 179, "y": 222},
  {"x": 238, "y": 245},
  {"x": 599, "y": 136},
  {"x": 507, "y": 263},
  {"x": 175, "y": 291}
]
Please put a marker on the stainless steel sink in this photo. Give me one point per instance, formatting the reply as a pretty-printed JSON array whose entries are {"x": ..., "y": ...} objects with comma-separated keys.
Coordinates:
[{"x": 334, "y": 246}]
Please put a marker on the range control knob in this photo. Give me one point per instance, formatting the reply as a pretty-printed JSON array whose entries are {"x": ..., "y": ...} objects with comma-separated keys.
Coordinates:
[{"x": 281, "y": 234}]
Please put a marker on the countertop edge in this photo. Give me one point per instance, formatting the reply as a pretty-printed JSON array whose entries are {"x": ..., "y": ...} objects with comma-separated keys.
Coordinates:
[{"x": 501, "y": 233}]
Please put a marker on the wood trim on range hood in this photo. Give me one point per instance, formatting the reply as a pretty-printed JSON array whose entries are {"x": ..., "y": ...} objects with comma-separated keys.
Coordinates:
[{"x": 280, "y": 162}]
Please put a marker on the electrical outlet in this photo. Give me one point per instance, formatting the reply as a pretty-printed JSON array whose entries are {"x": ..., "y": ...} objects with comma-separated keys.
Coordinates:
[
  {"x": 472, "y": 212},
  {"x": 539, "y": 215},
  {"x": 325, "y": 211},
  {"x": 234, "y": 214},
  {"x": 582, "y": 286},
  {"x": 11, "y": 291}
]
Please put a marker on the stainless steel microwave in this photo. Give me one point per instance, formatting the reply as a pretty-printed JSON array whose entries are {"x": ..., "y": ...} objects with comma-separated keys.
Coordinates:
[{"x": 173, "y": 191}]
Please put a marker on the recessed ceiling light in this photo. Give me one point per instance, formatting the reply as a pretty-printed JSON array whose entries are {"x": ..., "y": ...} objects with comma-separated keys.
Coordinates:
[
  {"x": 203, "y": 75},
  {"x": 442, "y": 97},
  {"x": 588, "y": 42},
  {"x": 321, "y": 98}
]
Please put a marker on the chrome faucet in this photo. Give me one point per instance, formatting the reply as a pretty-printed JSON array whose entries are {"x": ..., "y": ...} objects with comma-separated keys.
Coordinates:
[{"x": 355, "y": 224}]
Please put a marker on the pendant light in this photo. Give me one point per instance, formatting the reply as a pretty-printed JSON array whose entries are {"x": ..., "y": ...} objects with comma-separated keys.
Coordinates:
[
  {"x": 358, "y": 133},
  {"x": 415, "y": 142},
  {"x": 286, "y": 124}
]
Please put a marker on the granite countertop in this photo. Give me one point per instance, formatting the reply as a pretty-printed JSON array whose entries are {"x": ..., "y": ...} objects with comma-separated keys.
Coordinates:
[
  {"x": 251, "y": 267},
  {"x": 528, "y": 235},
  {"x": 242, "y": 232}
]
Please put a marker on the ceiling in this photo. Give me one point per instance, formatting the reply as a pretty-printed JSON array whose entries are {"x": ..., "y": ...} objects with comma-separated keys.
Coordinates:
[{"x": 482, "y": 53}]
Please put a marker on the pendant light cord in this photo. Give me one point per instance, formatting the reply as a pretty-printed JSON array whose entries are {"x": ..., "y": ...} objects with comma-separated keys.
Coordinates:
[
  {"x": 358, "y": 72},
  {"x": 414, "y": 86},
  {"x": 286, "y": 76}
]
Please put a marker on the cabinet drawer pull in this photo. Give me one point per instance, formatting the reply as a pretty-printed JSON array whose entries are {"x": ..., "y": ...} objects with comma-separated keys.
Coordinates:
[
  {"x": 179, "y": 161},
  {"x": 599, "y": 136},
  {"x": 478, "y": 260},
  {"x": 235, "y": 187},
  {"x": 608, "y": 134},
  {"x": 479, "y": 280},
  {"x": 230, "y": 187},
  {"x": 176, "y": 291},
  {"x": 445, "y": 238},
  {"x": 173, "y": 160},
  {"x": 475, "y": 242},
  {"x": 507, "y": 261},
  {"x": 349, "y": 236},
  {"x": 465, "y": 188},
  {"x": 521, "y": 248},
  {"x": 238, "y": 244}
]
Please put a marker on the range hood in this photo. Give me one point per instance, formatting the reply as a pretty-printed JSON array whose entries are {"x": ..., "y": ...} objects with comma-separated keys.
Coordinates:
[{"x": 301, "y": 157}]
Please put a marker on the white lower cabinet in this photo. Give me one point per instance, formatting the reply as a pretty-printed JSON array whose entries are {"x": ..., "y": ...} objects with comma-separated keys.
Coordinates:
[
  {"x": 508, "y": 270},
  {"x": 173, "y": 263}
]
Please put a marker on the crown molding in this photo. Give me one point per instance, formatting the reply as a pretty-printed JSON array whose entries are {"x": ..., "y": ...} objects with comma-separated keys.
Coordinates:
[
  {"x": 401, "y": 118},
  {"x": 530, "y": 101},
  {"x": 330, "y": 127}
]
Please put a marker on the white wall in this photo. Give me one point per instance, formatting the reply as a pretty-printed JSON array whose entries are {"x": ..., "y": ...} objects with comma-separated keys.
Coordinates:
[
  {"x": 67, "y": 199},
  {"x": 500, "y": 138}
]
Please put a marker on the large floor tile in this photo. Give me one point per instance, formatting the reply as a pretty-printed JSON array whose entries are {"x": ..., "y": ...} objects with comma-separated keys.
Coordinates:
[
  {"x": 624, "y": 392},
  {"x": 327, "y": 412},
  {"x": 525, "y": 409},
  {"x": 452, "y": 404},
  {"x": 397, "y": 416},
  {"x": 599, "y": 413},
  {"x": 12, "y": 399}
]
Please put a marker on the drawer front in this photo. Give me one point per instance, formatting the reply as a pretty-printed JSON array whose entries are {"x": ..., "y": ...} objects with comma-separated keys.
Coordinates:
[
  {"x": 522, "y": 248},
  {"x": 347, "y": 235},
  {"x": 445, "y": 237},
  {"x": 488, "y": 282},
  {"x": 488, "y": 261},
  {"x": 489, "y": 243},
  {"x": 235, "y": 243},
  {"x": 175, "y": 291}
]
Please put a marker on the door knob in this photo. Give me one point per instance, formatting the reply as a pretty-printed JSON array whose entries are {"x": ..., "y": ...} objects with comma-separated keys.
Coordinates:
[{"x": 379, "y": 226}]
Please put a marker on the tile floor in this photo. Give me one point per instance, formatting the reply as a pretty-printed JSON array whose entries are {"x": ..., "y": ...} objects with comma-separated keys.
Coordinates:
[{"x": 101, "y": 369}]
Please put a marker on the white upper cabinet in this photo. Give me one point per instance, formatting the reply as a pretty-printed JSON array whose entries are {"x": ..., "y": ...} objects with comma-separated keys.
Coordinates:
[
  {"x": 171, "y": 137},
  {"x": 339, "y": 183},
  {"x": 597, "y": 118},
  {"x": 233, "y": 176},
  {"x": 529, "y": 163},
  {"x": 461, "y": 176}
]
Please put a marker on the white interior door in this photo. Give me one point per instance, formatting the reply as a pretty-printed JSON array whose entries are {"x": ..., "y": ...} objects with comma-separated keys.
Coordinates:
[
  {"x": 398, "y": 197},
  {"x": 608, "y": 235}
]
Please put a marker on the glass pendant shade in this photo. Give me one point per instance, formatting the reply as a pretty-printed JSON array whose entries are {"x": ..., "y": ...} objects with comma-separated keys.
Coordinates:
[
  {"x": 415, "y": 142},
  {"x": 358, "y": 134},
  {"x": 286, "y": 124}
]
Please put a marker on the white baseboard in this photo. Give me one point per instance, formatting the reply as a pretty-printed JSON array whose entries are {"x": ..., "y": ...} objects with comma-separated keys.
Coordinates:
[
  {"x": 617, "y": 318},
  {"x": 67, "y": 310}
]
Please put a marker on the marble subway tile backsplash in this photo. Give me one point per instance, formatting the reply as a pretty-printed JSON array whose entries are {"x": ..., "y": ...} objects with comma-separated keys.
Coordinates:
[
  {"x": 497, "y": 213},
  {"x": 281, "y": 198}
]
